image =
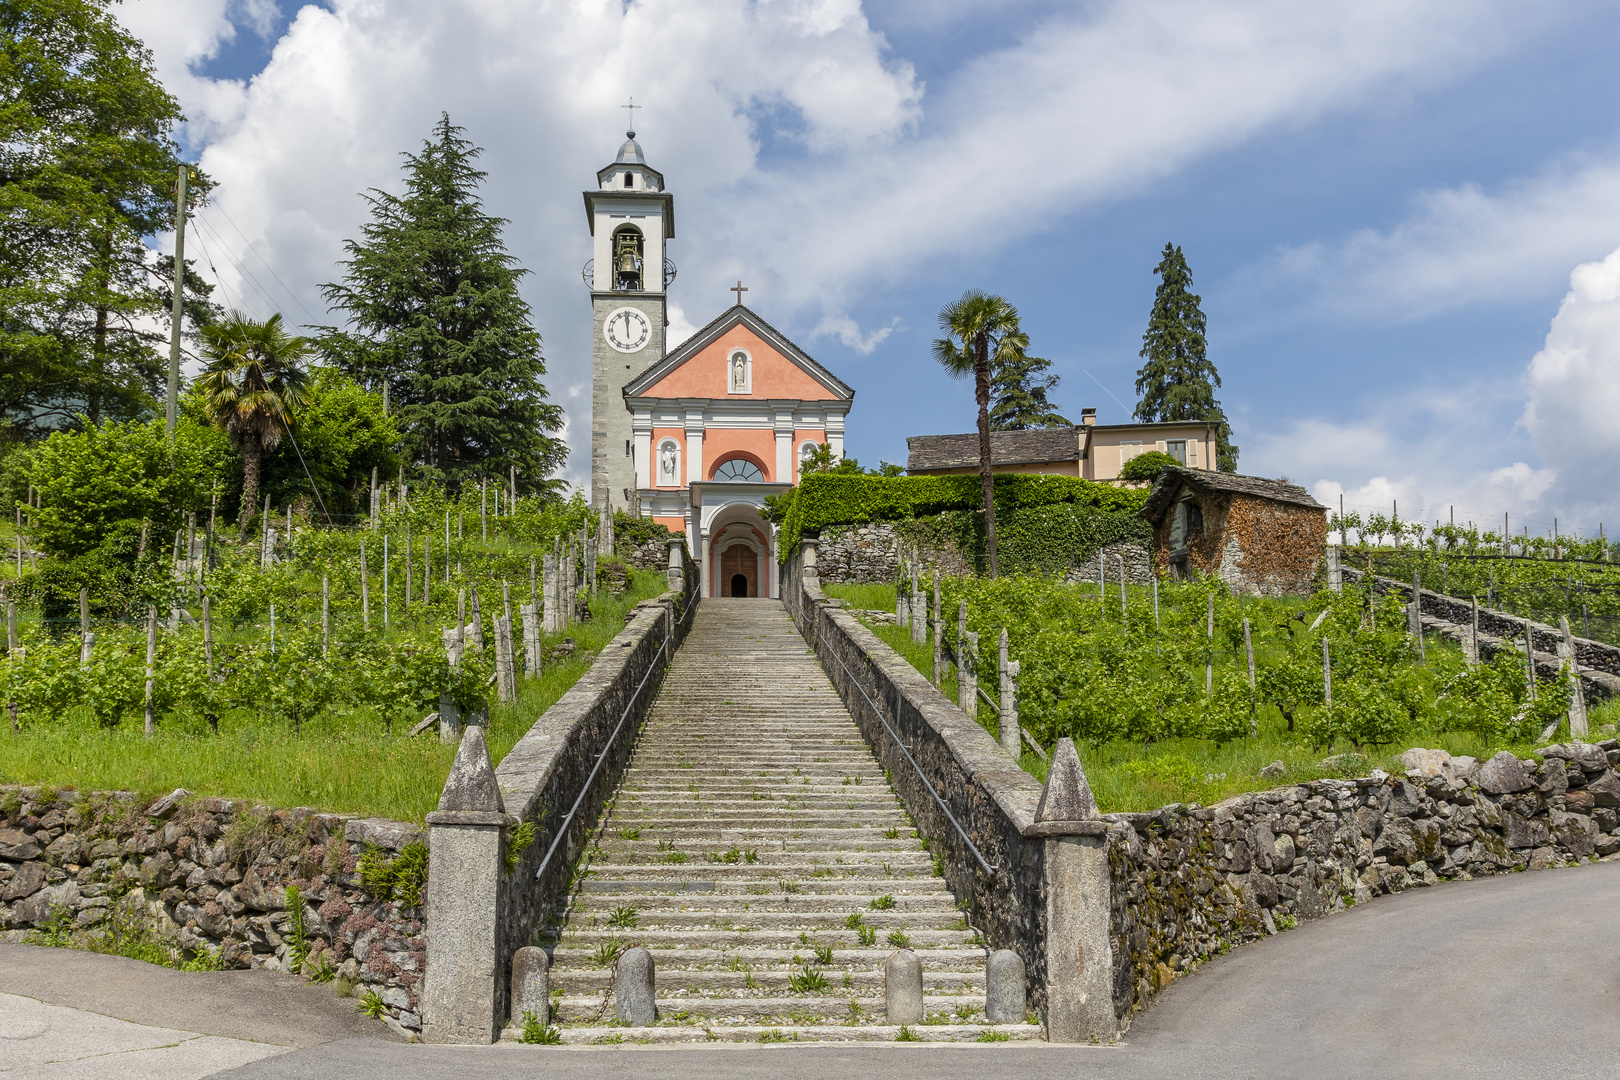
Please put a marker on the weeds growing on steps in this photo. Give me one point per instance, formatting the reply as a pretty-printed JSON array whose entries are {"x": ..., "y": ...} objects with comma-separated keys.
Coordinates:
[
  {"x": 607, "y": 951},
  {"x": 808, "y": 980},
  {"x": 630, "y": 834},
  {"x": 868, "y": 936},
  {"x": 882, "y": 903},
  {"x": 537, "y": 1034},
  {"x": 907, "y": 1035},
  {"x": 899, "y": 939},
  {"x": 854, "y": 921},
  {"x": 624, "y": 918},
  {"x": 824, "y": 954},
  {"x": 993, "y": 1036}
]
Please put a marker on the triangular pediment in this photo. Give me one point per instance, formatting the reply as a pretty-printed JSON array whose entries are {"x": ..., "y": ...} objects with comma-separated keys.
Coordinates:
[{"x": 697, "y": 368}]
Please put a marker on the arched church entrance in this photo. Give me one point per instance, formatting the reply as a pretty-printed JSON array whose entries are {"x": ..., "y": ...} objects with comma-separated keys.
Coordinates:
[
  {"x": 739, "y": 571},
  {"x": 739, "y": 554}
]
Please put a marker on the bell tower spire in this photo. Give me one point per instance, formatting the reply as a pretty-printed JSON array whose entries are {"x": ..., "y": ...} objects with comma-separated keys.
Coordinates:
[{"x": 631, "y": 218}]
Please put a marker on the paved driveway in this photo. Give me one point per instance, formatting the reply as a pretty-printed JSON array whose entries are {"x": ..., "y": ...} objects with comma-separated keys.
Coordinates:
[{"x": 1516, "y": 976}]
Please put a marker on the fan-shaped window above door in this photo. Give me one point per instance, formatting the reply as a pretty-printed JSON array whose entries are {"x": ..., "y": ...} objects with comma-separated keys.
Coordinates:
[{"x": 739, "y": 471}]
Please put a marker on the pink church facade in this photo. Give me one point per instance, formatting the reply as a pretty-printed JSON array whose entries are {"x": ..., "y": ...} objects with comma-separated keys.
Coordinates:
[{"x": 720, "y": 422}]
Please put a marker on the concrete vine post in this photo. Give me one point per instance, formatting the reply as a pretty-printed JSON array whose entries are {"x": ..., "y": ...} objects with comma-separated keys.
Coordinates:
[
  {"x": 939, "y": 637},
  {"x": 87, "y": 640},
  {"x": 1209, "y": 663},
  {"x": 326, "y": 615},
  {"x": 1010, "y": 738},
  {"x": 1248, "y": 649},
  {"x": 1471, "y": 649},
  {"x": 1577, "y": 696},
  {"x": 151, "y": 669},
  {"x": 1327, "y": 675},
  {"x": 919, "y": 609},
  {"x": 549, "y": 589},
  {"x": 1530, "y": 658},
  {"x": 1335, "y": 572},
  {"x": 1124, "y": 610},
  {"x": 1416, "y": 616}
]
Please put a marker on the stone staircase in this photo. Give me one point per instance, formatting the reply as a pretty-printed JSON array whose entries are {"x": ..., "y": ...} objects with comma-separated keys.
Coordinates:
[{"x": 756, "y": 850}]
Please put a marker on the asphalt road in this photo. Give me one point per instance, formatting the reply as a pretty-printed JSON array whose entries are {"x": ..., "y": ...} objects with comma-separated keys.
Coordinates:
[{"x": 1516, "y": 976}]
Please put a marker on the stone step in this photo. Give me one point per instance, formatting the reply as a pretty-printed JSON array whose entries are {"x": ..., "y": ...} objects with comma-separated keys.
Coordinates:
[
  {"x": 630, "y": 890},
  {"x": 756, "y": 1006},
  {"x": 864, "y": 978},
  {"x": 936, "y": 917},
  {"x": 649, "y": 904},
  {"x": 682, "y": 1032},
  {"x": 752, "y": 933}
]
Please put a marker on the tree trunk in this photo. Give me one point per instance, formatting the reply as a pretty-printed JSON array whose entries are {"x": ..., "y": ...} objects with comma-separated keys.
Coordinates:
[
  {"x": 98, "y": 342},
  {"x": 981, "y": 391},
  {"x": 251, "y": 454}
]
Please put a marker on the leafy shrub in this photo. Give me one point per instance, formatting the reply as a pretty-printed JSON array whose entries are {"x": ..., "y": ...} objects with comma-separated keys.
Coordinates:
[
  {"x": 402, "y": 878},
  {"x": 1147, "y": 466}
]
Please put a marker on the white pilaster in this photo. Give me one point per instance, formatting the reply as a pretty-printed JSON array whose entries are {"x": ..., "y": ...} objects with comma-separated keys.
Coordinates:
[
  {"x": 694, "y": 445},
  {"x": 835, "y": 437},
  {"x": 642, "y": 425},
  {"x": 784, "y": 443}
]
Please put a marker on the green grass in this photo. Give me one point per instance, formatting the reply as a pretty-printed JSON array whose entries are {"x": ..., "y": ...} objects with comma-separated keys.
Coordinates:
[
  {"x": 342, "y": 762},
  {"x": 1129, "y": 776}
]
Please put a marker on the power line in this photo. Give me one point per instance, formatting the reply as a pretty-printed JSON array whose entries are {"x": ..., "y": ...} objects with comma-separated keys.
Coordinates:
[
  {"x": 241, "y": 267},
  {"x": 267, "y": 266}
]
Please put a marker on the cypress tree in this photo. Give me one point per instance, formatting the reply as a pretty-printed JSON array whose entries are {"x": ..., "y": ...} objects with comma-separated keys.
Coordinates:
[
  {"x": 434, "y": 311},
  {"x": 1178, "y": 381},
  {"x": 1019, "y": 384}
]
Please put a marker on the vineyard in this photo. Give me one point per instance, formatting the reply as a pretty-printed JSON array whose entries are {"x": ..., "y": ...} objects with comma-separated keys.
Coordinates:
[
  {"x": 1154, "y": 683},
  {"x": 293, "y": 665},
  {"x": 1538, "y": 577}
]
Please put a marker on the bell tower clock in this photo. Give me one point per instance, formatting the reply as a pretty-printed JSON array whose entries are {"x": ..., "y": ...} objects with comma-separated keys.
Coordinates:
[{"x": 631, "y": 216}]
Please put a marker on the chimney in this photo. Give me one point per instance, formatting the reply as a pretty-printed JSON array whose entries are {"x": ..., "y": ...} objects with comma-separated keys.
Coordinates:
[{"x": 1088, "y": 417}]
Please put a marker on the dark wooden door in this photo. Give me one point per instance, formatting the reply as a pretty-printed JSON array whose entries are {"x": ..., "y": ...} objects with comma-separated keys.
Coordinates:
[{"x": 739, "y": 571}]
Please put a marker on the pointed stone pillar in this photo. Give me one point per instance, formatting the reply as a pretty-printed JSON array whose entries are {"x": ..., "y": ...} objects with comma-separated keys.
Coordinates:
[
  {"x": 461, "y": 990},
  {"x": 967, "y": 671},
  {"x": 1007, "y": 670},
  {"x": 676, "y": 572},
  {"x": 1077, "y": 892}
]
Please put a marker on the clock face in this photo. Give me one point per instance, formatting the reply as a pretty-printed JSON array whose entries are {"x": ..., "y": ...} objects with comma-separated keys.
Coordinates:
[{"x": 627, "y": 330}]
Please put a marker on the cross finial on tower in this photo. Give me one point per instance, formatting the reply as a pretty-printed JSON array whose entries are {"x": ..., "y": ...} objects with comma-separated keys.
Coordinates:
[
  {"x": 739, "y": 289},
  {"x": 632, "y": 107}
]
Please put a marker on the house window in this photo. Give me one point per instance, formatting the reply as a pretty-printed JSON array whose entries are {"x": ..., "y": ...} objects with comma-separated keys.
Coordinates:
[
  {"x": 739, "y": 374},
  {"x": 739, "y": 471},
  {"x": 669, "y": 463},
  {"x": 1177, "y": 449}
]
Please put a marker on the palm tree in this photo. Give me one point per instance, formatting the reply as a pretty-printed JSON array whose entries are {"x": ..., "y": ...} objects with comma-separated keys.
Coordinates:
[
  {"x": 253, "y": 386},
  {"x": 975, "y": 326}
]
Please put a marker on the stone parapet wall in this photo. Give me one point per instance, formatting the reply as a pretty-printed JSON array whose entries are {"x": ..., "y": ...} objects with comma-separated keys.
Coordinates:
[
  {"x": 992, "y": 799},
  {"x": 541, "y": 778},
  {"x": 205, "y": 873},
  {"x": 1190, "y": 881}
]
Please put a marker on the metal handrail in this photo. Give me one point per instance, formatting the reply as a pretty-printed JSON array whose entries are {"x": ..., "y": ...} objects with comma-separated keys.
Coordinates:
[
  {"x": 584, "y": 790},
  {"x": 920, "y": 775}
]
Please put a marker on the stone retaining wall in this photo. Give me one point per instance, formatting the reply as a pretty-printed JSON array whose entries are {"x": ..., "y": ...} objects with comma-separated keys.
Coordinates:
[
  {"x": 205, "y": 873},
  {"x": 1190, "y": 881},
  {"x": 1138, "y": 566}
]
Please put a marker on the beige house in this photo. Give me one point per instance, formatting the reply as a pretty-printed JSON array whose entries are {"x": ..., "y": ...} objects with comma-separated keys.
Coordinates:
[{"x": 1092, "y": 451}]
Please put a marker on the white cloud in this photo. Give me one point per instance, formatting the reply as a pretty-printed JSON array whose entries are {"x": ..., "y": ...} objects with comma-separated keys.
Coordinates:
[
  {"x": 1087, "y": 104},
  {"x": 848, "y": 331},
  {"x": 1460, "y": 246},
  {"x": 1436, "y": 451}
]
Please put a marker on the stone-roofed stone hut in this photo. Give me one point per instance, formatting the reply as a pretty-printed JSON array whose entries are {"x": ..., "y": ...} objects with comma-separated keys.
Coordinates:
[{"x": 1262, "y": 537}]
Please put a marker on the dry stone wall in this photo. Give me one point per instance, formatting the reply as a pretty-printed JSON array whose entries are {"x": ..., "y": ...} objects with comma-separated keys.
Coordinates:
[
  {"x": 1138, "y": 566},
  {"x": 204, "y": 873},
  {"x": 1191, "y": 881}
]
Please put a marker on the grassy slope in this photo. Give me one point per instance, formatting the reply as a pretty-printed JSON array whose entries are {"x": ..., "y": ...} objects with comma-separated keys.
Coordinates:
[
  {"x": 1127, "y": 775},
  {"x": 340, "y": 763}
]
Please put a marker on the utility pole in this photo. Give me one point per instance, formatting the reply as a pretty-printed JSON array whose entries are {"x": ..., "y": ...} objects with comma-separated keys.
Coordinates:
[{"x": 179, "y": 293}]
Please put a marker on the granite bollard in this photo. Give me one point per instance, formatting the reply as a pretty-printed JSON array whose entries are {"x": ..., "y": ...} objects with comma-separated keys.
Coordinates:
[
  {"x": 531, "y": 984},
  {"x": 903, "y": 988},
  {"x": 635, "y": 988},
  {"x": 1004, "y": 989}
]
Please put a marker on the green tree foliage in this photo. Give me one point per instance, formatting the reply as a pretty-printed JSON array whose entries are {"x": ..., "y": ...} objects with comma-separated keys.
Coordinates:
[
  {"x": 1019, "y": 385},
  {"x": 100, "y": 488},
  {"x": 433, "y": 309},
  {"x": 87, "y": 169},
  {"x": 1178, "y": 382},
  {"x": 975, "y": 328},
  {"x": 252, "y": 389},
  {"x": 820, "y": 460},
  {"x": 342, "y": 434},
  {"x": 1147, "y": 466}
]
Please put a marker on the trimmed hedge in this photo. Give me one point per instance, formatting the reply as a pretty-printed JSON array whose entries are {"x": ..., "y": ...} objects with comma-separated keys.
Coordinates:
[
  {"x": 828, "y": 499},
  {"x": 1030, "y": 540}
]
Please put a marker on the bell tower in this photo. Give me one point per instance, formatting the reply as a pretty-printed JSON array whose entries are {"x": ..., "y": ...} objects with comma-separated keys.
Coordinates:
[{"x": 631, "y": 216}]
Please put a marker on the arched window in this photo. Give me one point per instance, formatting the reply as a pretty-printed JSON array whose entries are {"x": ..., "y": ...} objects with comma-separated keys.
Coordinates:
[
  {"x": 739, "y": 471},
  {"x": 629, "y": 180},
  {"x": 627, "y": 248},
  {"x": 740, "y": 373},
  {"x": 669, "y": 463}
]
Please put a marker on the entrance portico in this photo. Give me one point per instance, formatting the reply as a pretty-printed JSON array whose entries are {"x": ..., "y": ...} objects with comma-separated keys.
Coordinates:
[{"x": 738, "y": 546}]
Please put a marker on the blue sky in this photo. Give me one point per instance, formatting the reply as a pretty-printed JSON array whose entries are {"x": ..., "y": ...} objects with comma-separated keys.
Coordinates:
[{"x": 1382, "y": 208}]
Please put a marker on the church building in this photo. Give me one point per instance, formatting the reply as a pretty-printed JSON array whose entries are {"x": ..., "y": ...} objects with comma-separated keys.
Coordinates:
[{"x": 696, "y": 436}]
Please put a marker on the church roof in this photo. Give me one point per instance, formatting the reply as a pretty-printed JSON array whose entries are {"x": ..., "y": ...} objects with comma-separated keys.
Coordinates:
[
  {"x": 711, "y": 333},
  {"x": 630, "y": 153},
  {"x": 1037, "y": 446}
]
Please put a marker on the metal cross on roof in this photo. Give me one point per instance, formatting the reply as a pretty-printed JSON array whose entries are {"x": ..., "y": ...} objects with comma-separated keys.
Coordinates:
[
  {"x": 739, "y": 289},
  {"x": 632, "y": 107}
]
